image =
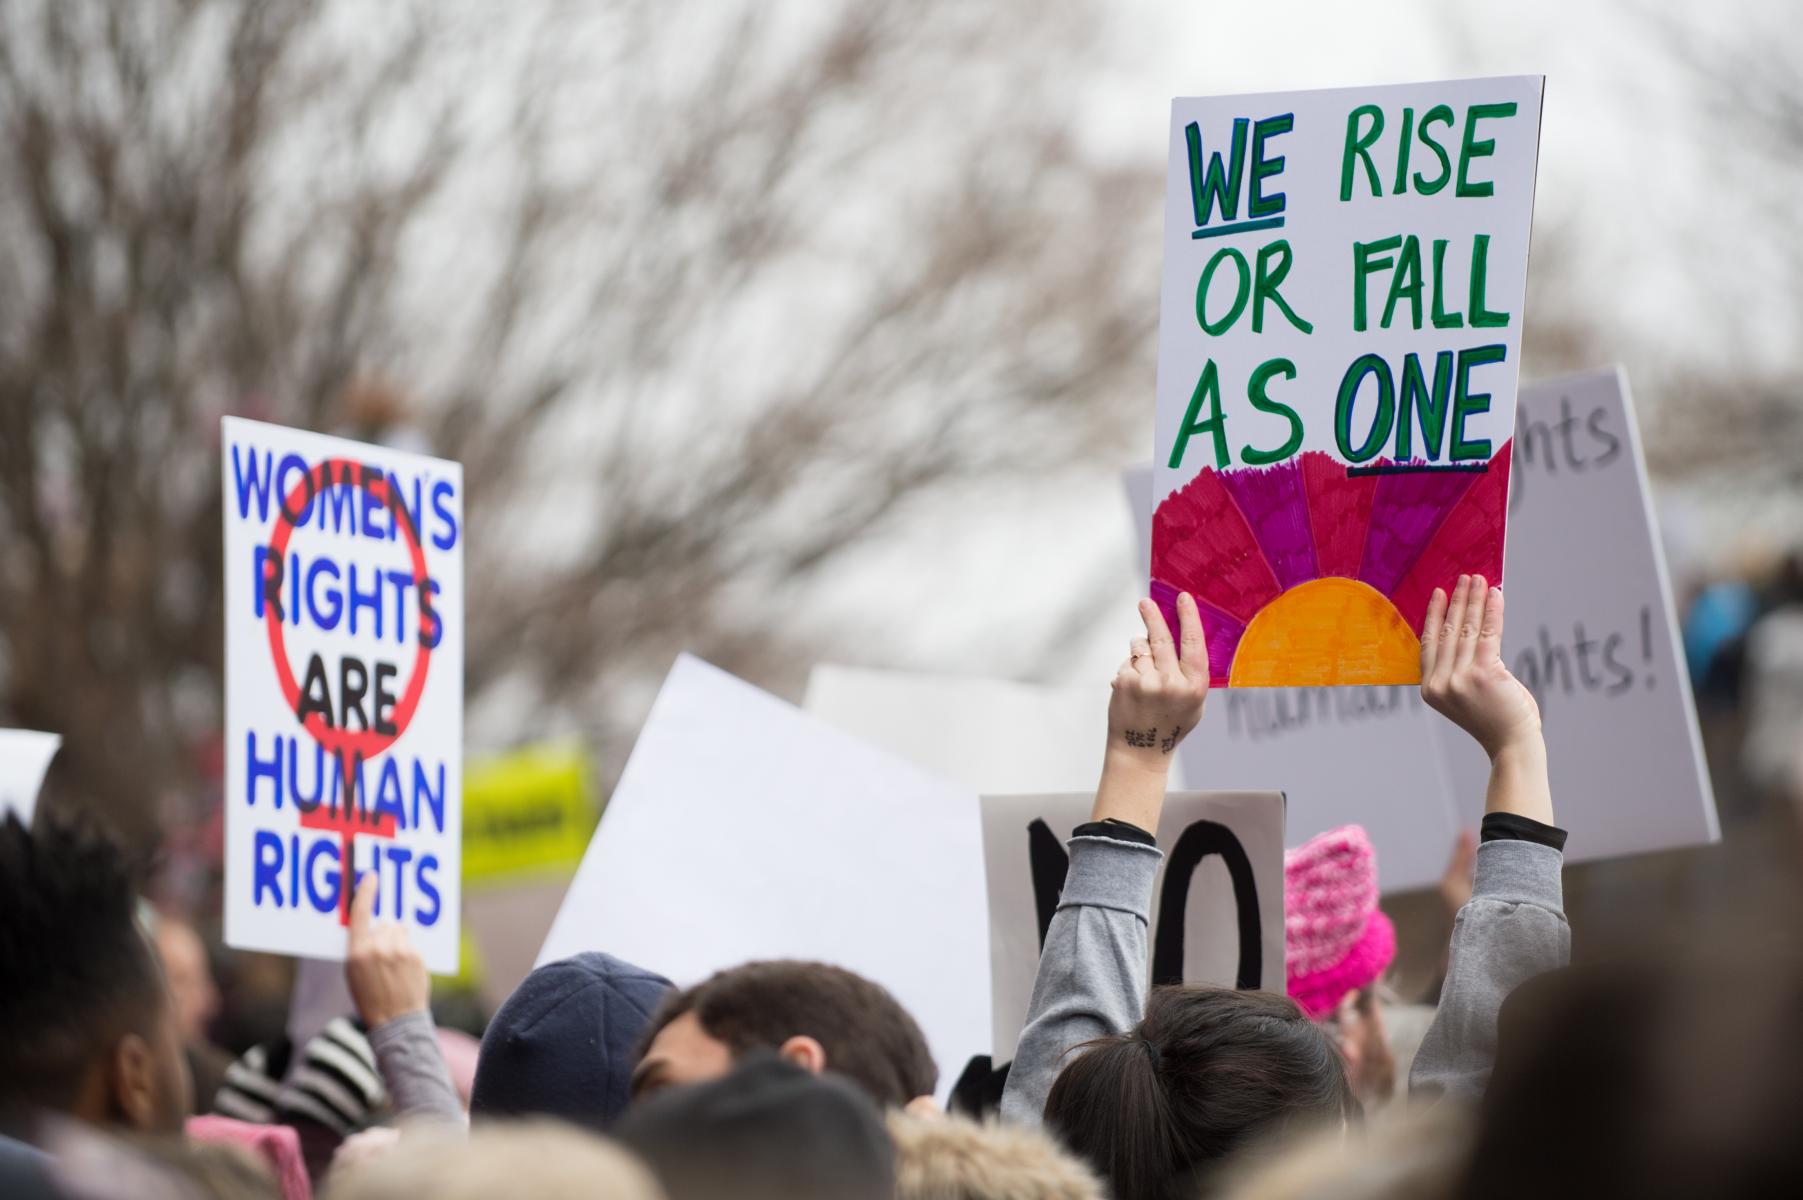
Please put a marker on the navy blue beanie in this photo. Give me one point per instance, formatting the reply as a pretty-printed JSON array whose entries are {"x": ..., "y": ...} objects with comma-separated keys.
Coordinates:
[{"x": 563, "y": 1044}]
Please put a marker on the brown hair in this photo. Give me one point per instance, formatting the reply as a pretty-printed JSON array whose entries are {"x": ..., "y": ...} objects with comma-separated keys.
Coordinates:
[
  {"x": 1206, "y": 1073},
  {"x": 868, "y": 1037},
  {"x": 76, "y": 971}
]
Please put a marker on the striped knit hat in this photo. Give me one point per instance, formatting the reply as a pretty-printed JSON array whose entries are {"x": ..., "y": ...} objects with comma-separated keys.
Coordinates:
[
  {"x": 1336, "y": 940},
  {"x": 335, "y": 1083}
]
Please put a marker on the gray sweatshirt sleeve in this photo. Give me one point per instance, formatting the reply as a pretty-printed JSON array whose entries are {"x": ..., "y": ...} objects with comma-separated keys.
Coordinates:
[
  {"x": 414, "y": 1070},
  {"x": 1093, "y": 969},
  {"x": 1512, "y": 929}
]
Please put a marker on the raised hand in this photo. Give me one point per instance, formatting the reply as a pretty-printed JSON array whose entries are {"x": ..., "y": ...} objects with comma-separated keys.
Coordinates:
[
  {"x": 386, "y": 975},
  {"x": 1463, "y": 675},
  {"x": 1157, "y": 700},
  {"x": 1158, "y": 694}
]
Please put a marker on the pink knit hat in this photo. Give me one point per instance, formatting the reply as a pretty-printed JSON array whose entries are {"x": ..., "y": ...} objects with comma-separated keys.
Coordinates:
[{"x": 1336, "y": 940}]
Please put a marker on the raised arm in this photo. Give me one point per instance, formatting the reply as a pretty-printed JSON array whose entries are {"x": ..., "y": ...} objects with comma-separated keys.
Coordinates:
[
  {"x": 393, "y": 992},
  {"x": 1093, "y": 969},
  {"x": 1513, "y": 927}
]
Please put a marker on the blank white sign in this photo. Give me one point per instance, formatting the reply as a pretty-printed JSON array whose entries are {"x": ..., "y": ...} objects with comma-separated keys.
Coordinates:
[{"x": 743, "y": 828}]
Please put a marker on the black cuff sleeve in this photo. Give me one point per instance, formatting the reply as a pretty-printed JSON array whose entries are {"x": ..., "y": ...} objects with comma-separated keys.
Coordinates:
[
  {"x": 1511, "y": 827},
  {"x": 1120, "y": 831}
]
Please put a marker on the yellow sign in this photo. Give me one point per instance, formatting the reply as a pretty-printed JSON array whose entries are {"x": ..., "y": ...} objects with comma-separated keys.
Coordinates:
[{"x": 530, "y": 811}]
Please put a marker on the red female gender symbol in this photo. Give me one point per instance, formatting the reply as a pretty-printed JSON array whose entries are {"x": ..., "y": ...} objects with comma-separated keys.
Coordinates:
[{"x": 346, "y": 747}]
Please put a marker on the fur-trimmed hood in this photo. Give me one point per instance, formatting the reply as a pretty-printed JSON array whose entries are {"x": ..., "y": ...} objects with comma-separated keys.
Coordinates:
[{"x": 952, "y": 1158}]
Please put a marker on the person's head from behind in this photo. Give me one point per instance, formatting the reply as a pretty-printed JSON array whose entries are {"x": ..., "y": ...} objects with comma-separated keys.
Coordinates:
[
  {"x": 87, "y": 1026},
  {"x": 1659, "y": 1079},
  {"x": 820, "y": 1017},
  {"x": 541, "y": 1159},
  {"x": 565, "y": 1043},
  {"x": 1207, "y": 1073},
  {"x": 767, "y": 1130}
]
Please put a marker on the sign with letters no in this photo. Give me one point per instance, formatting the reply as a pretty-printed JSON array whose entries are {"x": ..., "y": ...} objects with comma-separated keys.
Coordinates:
[{"x": 1217, "y": 907}]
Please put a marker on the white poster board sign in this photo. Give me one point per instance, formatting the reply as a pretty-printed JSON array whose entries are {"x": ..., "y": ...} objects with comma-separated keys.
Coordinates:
[
  {"x": 1338, "y": 349},
  {"x": 1591, "y": 630},
  {"x": 743, "y": 828},
  {"x": 1222, "y": 873},
  {"x": 320, "y": 994},
  {"x": 344, "y": 689},
  {"x": 25, "y": 755},
  {"x": 989, "y": 736},
  {"x": 1364, "y": 755}
]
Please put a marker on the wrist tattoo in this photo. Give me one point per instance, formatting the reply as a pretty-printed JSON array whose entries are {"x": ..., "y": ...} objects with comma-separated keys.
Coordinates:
[
  {"x": 1170, "y": 743},
  {"x": 1142, "y": 738}
]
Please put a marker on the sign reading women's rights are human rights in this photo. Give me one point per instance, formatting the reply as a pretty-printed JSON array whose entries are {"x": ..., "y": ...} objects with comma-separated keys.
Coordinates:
[
  {"x": 344, "y": 690},
  {"x": 1339, "y": 347}
]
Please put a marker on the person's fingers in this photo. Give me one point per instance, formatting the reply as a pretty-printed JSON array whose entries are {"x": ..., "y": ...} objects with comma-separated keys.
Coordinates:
[
  {"x": 1472, "y": 617},
  {"x": 363, "y": 907},
  {"x": 1430, "y": 632},
  {"x": 1164, "y": 650},
  {"x": 1140, "y": 657},
  {"x": 1449, "y": 632},
  {"x": 1193, "y": 639},
  {"x": 1489, "y": 638}
]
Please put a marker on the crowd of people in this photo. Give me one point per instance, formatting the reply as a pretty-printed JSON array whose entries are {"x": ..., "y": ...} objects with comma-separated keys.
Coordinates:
[{"x": 795, "y": 1080}]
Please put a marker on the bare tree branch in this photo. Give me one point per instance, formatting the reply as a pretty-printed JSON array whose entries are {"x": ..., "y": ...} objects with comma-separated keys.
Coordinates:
[{"x": 703, "y": 297}]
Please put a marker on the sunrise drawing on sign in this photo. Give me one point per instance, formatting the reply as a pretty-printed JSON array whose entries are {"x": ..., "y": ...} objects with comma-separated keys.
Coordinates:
[{"x": 1310, "y": 572}]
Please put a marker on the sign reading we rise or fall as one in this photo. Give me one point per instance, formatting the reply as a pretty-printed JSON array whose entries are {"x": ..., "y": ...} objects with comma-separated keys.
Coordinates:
[
  {"x": 344, "y": 690},
  {"x": 1339, "y": 344}
]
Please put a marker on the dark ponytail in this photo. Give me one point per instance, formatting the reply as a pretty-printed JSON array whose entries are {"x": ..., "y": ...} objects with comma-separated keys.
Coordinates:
[
  {"x": 1109, "y": 1107},
  {"x": 1207, "y": 1072}
]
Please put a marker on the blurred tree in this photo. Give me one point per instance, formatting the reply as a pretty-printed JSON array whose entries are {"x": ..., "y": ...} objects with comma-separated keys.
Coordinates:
[
  {"x": 1735, "y": 378},
  {"x": 701, "y": 294}
]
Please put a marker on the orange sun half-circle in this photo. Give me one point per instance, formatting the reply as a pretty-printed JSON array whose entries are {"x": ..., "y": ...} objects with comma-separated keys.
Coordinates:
[{"x": 1326, "y": 632}]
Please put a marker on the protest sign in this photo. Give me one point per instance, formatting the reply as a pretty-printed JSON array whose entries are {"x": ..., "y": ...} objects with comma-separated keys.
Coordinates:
[
  {"x": 985, "y": 735},
  {"x": 344, "y": 689},
  {"x": 1339, "y": 342},
  {"x": 1217, "y": 909},
  {"x": 24, "y": 757},
  {"x": 1359, "y": 755},
  {"x": 320, "y": 995},
  {"x": 743, "y": 828},
  {"x": 524, "y": 813},
  {"x": 1590, "y": 630},
  {"x": 507, "y": 923}
]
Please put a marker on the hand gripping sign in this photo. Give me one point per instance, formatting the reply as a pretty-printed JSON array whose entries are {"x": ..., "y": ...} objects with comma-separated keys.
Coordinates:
[{"x": 344, "y": 618}]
